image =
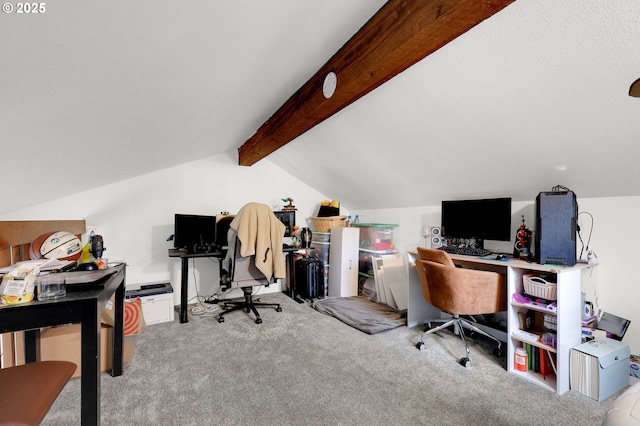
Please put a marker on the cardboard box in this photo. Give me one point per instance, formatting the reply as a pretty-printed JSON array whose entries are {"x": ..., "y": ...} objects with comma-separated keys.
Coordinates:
[
  {"x": 134, "y": 322},
  {"x": 600, "y": 368},
  {"x": 63, "y": 343}
]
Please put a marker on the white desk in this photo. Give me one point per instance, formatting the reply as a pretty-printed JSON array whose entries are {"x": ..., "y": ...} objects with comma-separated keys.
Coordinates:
[{"x": 568, "y": 315}]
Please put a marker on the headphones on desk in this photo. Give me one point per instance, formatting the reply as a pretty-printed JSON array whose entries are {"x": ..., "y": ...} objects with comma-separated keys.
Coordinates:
[{"x": 203, "y": 248}]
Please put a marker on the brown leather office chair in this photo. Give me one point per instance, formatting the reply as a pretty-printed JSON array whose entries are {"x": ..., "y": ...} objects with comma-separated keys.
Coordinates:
[
  {"x": 28, "y": 391},
  {"x": 459, "y": 291}
]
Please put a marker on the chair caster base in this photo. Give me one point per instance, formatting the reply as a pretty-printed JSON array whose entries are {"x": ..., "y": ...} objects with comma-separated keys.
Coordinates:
[
  {"x": 278, "y": 309},
  {"x": 420, "y": 346},
  {"x": 465, "y": 362},
  {"x": 220, "y": 319},
  {"x": 499, "y": 352}
]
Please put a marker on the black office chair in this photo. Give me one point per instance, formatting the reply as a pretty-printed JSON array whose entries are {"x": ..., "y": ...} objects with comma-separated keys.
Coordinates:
[{"x": 238, "y": 270}]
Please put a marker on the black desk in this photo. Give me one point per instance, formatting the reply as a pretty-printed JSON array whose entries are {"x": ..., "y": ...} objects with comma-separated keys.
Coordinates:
[
  {"x": 78, "y": 306},
  {"x": 217, "y": 254},
  {"x": 184, "y": 278}
]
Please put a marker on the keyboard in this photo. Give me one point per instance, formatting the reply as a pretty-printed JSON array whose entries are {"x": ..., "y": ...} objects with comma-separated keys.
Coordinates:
[{"x": 466, "y": 250}]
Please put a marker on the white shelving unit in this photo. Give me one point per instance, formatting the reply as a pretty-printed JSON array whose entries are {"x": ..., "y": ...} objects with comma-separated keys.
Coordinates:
[{"x": 568, "y": 316}]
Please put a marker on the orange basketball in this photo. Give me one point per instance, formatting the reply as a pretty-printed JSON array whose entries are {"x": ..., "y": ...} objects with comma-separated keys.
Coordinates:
[
  {"x": 36, "y": 245},
  {"x": 56, "y": 245}
]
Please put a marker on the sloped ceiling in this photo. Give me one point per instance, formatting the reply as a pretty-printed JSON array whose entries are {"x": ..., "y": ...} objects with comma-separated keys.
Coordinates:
[{"x": 98, "y": 92}]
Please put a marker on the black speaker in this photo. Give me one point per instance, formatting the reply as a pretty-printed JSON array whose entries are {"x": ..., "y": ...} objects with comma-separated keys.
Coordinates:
[{"x": 556, "y": 218}]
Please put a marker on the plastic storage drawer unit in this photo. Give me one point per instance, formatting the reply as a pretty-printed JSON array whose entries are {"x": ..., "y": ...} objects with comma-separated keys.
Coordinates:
[{"x": 377, "y": 237}]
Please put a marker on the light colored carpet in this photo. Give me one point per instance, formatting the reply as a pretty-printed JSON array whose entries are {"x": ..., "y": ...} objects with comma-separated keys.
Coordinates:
[{"x": 300, "y": 367}]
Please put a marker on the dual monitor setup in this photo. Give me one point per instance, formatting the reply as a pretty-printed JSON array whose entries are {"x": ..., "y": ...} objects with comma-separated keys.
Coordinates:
[
  {"x": 490, "y": 219},
  {"x": 480, "y": 220},
  {"x": 206, "y": 234},
  {"x": 477, "y": 220}
]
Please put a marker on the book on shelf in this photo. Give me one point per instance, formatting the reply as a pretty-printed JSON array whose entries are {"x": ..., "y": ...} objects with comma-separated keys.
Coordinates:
[
  {"x": 547, "y": 366},
  {"x": 540, "y": 360},
  {"x": 536, "y": 359}
]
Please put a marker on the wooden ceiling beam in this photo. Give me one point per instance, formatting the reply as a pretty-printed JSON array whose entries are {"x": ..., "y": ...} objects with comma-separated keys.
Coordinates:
[{"x": 400, "y": 34}]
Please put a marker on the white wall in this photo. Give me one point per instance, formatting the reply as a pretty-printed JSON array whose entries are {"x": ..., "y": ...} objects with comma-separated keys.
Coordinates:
[
  {"x": 136, "y": 216},
  {"x": 612, "y": 284}
]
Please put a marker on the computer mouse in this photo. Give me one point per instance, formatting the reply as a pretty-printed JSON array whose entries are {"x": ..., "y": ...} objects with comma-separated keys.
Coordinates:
[
  {"x": 87, "y": 266},
  {"x": 502, "y": 257}
]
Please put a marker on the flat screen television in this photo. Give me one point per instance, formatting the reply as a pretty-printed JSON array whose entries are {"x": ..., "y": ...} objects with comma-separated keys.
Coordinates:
[
  {"x": 483, "y": 219},
  {"x": 194, "y": 232}
]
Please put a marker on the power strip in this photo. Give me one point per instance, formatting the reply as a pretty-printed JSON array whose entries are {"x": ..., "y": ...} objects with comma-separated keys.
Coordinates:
[{"x": 212, "y": 300}]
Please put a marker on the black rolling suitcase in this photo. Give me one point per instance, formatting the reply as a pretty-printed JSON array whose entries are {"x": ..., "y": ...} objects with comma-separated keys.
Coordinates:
[{"x": 309, "y": 278}]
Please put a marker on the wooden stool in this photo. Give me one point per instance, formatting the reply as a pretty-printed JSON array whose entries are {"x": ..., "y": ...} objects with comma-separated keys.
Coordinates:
[{"x": 28, "y": 391}]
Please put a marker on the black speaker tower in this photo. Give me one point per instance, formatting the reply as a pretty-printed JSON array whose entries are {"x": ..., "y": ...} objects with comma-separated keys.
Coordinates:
[{"x": 555, "y": 236}]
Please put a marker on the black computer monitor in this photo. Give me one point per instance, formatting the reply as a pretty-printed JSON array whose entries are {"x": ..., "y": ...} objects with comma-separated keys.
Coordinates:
[
  {"x": 194, "y": 232},
  {"x": 482, "y": 219}
]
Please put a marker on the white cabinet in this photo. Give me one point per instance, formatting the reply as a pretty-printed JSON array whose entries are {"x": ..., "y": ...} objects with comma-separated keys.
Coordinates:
[{"x": 343, "y": 262}]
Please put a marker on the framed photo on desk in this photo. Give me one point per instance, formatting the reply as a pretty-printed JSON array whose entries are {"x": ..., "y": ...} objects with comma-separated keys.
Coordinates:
[{"x": 288, "y": 217}]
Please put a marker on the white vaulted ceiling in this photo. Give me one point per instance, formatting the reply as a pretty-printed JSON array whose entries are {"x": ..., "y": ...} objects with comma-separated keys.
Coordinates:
[{"x": 533, "y": 97}]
